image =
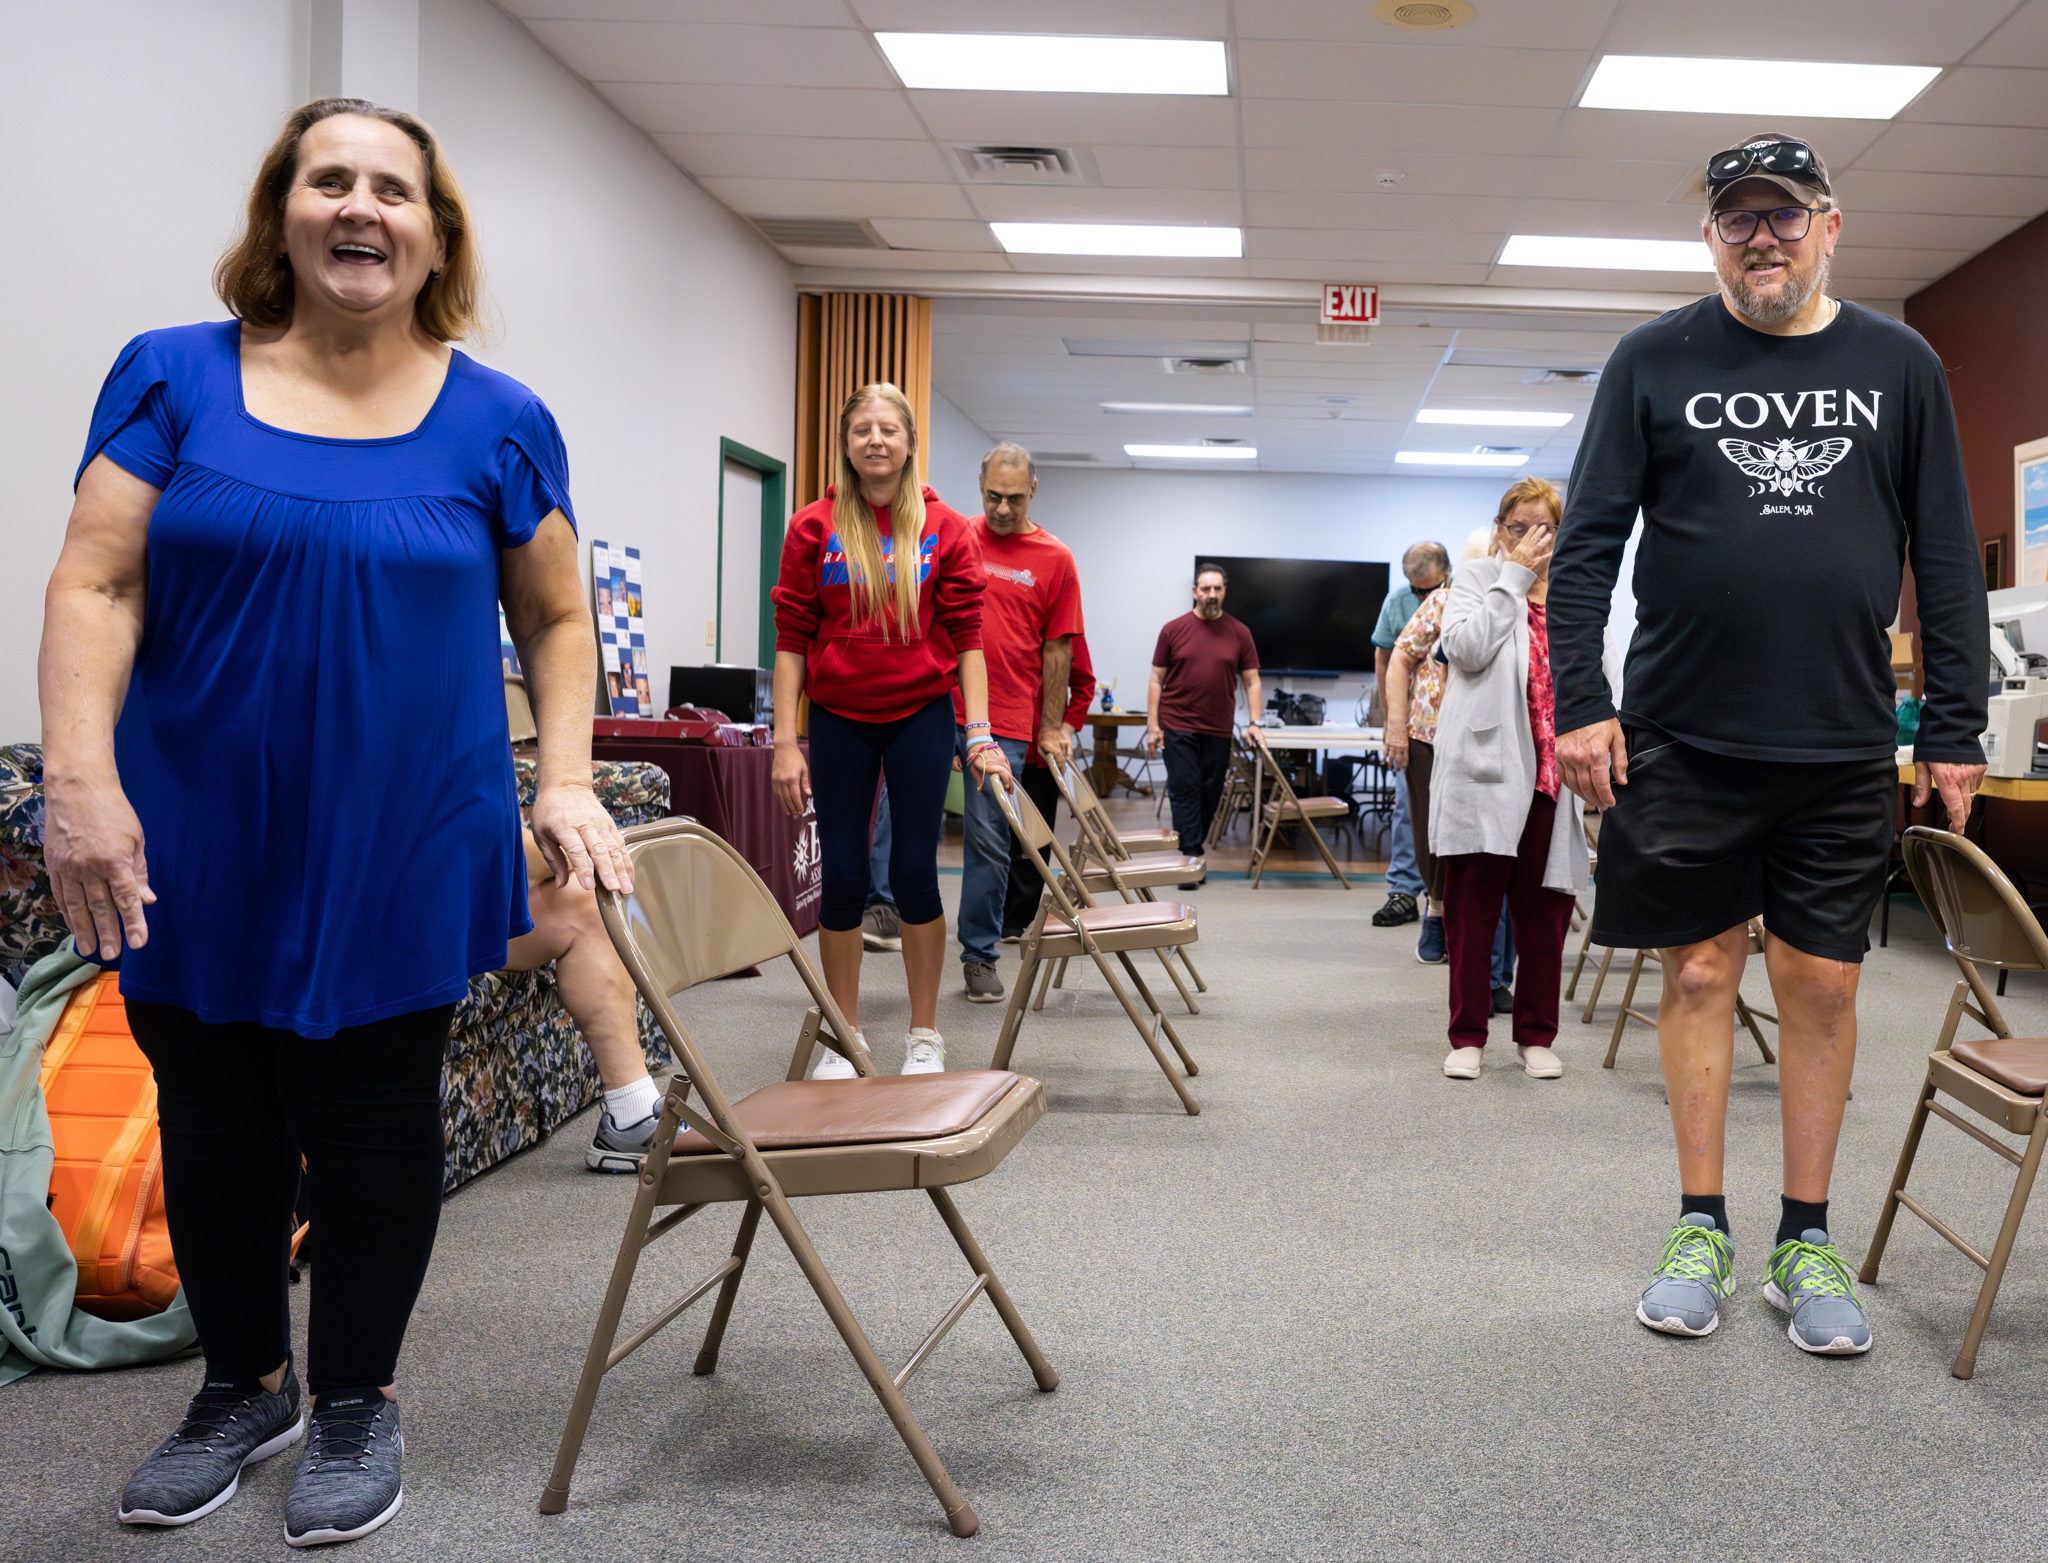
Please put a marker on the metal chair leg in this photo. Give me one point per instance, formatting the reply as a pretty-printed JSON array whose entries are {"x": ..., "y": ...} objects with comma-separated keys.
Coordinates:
[
  {"x": 1186, "y": 960},
  {"x": 1911, "y": 1149},
  {"x": 1172, "y": 976},
  {"x": 1013, "y": 1321},
  {"x": 1965, "y": 1365},
  {"x": 1137, "y": 1018},
  {"x": 1013, "y": 1012},
  {"x": 1166, "y": 1026},
  {"x": 1628, "y": 999},
  {"x": 721, "y": 1312},
  {"x": 1599, "y": 982}
]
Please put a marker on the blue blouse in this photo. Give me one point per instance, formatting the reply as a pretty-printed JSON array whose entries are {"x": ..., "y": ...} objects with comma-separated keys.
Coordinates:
[{"x": 314, "y": 735}]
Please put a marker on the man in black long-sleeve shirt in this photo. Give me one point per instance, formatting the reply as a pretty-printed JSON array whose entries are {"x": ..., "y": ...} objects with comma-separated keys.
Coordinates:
[{"x": 1789, "y": 454}]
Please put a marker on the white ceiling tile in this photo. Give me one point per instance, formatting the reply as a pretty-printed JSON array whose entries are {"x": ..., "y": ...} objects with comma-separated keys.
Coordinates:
[
  {"x": 2022, "y": 40},
  {"x": 1691, "y": 139},
  {"x": 897, "y": 260},
  {"x": 729, "y": 109},
  {"x": 924, "y": 233},
  {"x": 1382, "y": 131},
  {"x": 1352, "y": 171},
  {"x": 1869, "y": 265},
  {"x": 1917, "y": 231},
  {"x": 1693, "y": 283},
  {"x": 1553, "y": 24},
  {"x": 837, "y": 198},
  {"x": 694, "y": 52},
  {"x": 1168, "y": 167},
  {"x": 806, "y": 157},
  {"x": 1982, "y": 149},
  {"x": 1968, "y": 194},
  {"x": 1408, "y": 73},
  {"x": 1114, "y": 18},
  {"x": 1063, "y": 118},
  {"x": 791, "y": 13},
  {"x": 1292, "y": 209},
  {"x": 1352, "y": 246},
  {"x": 1888, "y": 32},
  {"x": 1078, "y": 203},
  {"x": 1319, "y": 271},
  {"x": 1984, "y": 95},
  {"x": 1612, "y": 178},
  {"x": 1131, "y": 266}
]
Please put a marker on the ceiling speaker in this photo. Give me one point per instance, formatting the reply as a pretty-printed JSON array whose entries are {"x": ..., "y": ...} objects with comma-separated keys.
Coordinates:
[{"x": 1424, "y": 16}]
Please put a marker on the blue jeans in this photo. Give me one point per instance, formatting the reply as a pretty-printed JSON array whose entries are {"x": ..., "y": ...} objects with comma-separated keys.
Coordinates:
[
  {"x": 1402, "y": 874},
  {"x": 985, "y": 865},
  {"x": 878, "y": 854}
]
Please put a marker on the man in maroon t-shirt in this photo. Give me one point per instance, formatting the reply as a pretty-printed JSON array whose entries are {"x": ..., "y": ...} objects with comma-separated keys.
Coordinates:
[{"x": 1196, "y": 668}]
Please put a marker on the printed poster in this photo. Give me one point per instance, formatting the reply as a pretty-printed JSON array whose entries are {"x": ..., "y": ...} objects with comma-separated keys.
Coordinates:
[
  {"x": 2033, "y": 499},
  {"x": 621, "y": 631}
]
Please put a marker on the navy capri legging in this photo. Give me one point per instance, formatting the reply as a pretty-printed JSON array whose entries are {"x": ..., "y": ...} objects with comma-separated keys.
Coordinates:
[{"x": 848, "y": 761}]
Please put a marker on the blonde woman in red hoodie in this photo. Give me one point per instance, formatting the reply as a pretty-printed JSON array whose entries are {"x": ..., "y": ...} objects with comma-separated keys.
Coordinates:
[{"x": 878, "y": 649}]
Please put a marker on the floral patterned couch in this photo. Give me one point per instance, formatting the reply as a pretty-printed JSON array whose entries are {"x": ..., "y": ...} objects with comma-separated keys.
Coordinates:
[{"x": 517, "y": 1067}]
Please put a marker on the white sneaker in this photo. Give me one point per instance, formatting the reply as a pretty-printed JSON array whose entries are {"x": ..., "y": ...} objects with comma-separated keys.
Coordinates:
[
  {"x": 835, "y": 1066},
  {"x": 924, "y": 1052},
  {"x": 1463, "y": 1063},
  {"x": 1541, "y": 1063}
]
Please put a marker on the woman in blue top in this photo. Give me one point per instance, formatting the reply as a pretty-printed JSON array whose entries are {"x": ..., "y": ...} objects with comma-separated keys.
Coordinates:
[{"x": 276, "y": 770}]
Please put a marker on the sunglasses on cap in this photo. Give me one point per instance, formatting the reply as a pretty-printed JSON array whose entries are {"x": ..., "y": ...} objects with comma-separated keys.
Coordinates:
[{"x": 1789, "y": 159}]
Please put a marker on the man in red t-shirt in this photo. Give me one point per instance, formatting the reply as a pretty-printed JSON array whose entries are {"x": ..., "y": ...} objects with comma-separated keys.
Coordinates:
[
  {"x": 1029, "y": 616},
  {"x": 1196, "y": 668}
]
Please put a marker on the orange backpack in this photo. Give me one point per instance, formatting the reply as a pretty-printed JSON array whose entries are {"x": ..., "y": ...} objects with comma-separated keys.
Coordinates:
[{"x": 106, "y": 1189}]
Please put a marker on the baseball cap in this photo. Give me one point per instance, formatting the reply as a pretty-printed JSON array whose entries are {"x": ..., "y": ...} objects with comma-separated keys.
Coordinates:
[{"x": 1785, "y": 161}]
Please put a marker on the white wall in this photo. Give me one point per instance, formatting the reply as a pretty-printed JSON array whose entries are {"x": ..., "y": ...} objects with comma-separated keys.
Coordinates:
[
  {"x": 954, "y": 446},
  {"x": 650, "y": 320}
]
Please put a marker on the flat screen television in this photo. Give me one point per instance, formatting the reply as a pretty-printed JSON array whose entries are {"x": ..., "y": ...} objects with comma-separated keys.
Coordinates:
[{"x": 1306, "y": 615}]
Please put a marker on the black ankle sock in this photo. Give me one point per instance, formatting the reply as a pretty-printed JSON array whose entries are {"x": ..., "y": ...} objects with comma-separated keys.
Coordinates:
[
  {"x": 1715, "y": 1205},
  {"x": 1799, "y": 1215}
]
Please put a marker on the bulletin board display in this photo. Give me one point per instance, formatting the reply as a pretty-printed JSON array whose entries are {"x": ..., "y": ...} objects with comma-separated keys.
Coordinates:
[
  {"x": 2030, "y": 511},
  {"x": 621, "y": 628}
]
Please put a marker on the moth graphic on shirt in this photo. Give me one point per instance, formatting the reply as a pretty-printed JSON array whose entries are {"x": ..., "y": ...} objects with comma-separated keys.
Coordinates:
[{"x": 1786, "y": 467}]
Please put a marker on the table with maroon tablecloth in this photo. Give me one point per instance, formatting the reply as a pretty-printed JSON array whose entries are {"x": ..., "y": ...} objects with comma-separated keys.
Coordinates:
[{"x": 730, "y": 791}]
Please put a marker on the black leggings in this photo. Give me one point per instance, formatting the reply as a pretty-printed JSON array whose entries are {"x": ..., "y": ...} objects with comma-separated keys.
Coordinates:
[
  {"x": 238, "y": 1103},
  {"x": 848, "y": 761}
]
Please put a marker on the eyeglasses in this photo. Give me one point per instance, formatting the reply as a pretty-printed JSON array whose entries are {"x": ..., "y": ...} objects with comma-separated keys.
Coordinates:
[
  {"x": 1787, "y": 224},
  {"x": 1793, "y": 158}
]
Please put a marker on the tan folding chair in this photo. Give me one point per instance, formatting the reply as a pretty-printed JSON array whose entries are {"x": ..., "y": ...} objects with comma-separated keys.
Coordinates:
[
  {"x": 1746, "y": 1014},
  {"x": 699, "y": 911},
  {"x": 1132, "y": 875},
  {"x": 1284, "y": 808},
  {"x": 1070, "y": 923},
  {"x": 519, "y": 710},
  {"x": 1984, "y": 922},
  {"x": 1237, "y": 796}
]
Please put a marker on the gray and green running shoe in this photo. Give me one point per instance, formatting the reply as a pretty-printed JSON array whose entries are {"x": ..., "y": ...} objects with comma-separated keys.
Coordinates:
[
  {"x": 1810, "y": 1281},
  {"x": 1696, "y": 1272}
]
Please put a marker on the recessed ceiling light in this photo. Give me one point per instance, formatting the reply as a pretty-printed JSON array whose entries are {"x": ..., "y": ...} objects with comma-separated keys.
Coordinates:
[
  {"x": 1193, "y": 452},
  {"x": 1547, "y": 249},
  {"x": 1812, "y": 88},
  {"x": 1479, "y": 415},
  {"x": 1460, "y": 458},
  {"x": 1120, "y": 239},
  {"x": 1204, "y": 409},
  {"x": 1024, "y": 62}
]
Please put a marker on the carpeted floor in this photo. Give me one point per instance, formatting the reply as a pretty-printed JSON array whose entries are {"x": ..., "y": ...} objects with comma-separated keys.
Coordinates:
[{"x": 1353, "y": 1311}]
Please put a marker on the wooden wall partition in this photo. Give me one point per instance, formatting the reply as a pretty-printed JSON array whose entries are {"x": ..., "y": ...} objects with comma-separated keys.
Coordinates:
[{"x": 845, "y": 341}]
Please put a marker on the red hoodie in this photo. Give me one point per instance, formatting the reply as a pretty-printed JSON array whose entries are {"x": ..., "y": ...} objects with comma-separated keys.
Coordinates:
[{"x": 857, "y": 672}]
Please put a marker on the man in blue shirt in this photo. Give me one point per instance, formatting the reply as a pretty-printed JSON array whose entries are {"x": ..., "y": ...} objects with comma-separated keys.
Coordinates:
[{"x": 1426, "y": 566}]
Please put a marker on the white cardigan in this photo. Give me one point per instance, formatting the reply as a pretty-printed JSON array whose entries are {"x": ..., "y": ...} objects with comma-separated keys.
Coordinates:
[{"x": 1484, "y": 774}]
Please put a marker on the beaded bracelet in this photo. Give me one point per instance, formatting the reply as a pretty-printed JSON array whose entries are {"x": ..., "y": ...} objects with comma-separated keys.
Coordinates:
[{"x": 971, "y": 726}]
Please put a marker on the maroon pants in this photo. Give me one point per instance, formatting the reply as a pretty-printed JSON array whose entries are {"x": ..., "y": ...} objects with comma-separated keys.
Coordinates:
[{"x": 1475, "y": 883}]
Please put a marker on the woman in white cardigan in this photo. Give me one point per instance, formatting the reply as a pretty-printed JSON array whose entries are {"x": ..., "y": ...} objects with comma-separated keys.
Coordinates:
[{"x": 1500, "y": 818}]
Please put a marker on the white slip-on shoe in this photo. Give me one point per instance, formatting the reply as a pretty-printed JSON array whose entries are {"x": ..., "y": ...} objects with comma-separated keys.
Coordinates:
[
  {"x": 1463, "y": 1063},
  {"x": 836, "y": 1066},
  {"x": 924, "y": 1052},
  {"x": 1540, "y": 1063}
]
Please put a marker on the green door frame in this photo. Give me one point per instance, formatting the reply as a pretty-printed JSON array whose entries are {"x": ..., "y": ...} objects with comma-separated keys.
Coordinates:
[{"x": 773, "y": 516}]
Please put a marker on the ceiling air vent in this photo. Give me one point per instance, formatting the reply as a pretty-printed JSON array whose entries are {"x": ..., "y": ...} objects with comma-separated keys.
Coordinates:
[
  {"x": 1424, "y": 16},
  {"x": 819, "y": 233},
  {"x": 1204, "y": 365},
  {"x": 1586, "y": 377},
  {"x": 1008, "y": 165}
]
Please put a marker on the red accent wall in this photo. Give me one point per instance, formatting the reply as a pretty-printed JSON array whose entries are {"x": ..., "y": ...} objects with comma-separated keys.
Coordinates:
[{"x": 1988, "y": 321}]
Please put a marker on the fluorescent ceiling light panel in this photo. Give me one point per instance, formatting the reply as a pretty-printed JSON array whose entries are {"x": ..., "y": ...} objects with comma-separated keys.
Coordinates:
[
  {"x": 1503, "y": 420},
  {"x": 1202, "y": 409},
  {"x": 1769, "y": 88},
  {"x": 1121, "y": 239},
  {"x": 1192, "y": 452},
  {"x": 1547, "y": 249},
  {"x": 1459, "y": 458},
  {"x": 1026, "y": 62}
]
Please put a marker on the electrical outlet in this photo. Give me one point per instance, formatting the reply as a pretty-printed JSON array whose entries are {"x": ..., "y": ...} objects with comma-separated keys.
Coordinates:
[{"x": 711, "y": 632}]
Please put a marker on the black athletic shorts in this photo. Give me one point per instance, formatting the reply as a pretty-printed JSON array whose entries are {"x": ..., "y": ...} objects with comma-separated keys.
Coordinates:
[{"x": 1698, "y": 843}]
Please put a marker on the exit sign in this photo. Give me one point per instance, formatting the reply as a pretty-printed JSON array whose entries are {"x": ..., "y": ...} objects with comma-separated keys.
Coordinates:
[{"x": 1350, "y": 304}]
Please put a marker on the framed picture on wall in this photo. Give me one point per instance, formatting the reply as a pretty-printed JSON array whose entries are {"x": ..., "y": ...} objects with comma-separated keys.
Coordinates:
[
  {"x": 2030, "y": 511},
  {"x": 1994, "y": 563}
]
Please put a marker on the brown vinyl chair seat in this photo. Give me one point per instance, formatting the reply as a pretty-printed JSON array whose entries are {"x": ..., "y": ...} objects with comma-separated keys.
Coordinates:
[
  {"x": 1148, "y": 838},
  {"x": 1123, "y": 917},
  {"x": 1308, "y": 808},
  {"x": 2019, "y": 1064},
  {"x": 1148, "y": 871},
  {"x": 796, "y": 1113}
]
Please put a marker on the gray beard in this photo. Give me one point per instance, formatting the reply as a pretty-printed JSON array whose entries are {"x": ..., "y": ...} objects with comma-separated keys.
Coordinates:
[
  {"x": 1790, "y": 300},
  {"x": 1208, "y": 610}
]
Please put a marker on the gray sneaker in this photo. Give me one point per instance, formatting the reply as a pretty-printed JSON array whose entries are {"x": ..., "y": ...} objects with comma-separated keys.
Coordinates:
[
  {"x": 1696, "y": 1272},
  {"x": 881, "y": 928},
  {"x": 199, "y": 1467},
  {"x": 983, "y": 985},
  {"x": 348, "y": 1483},
  {"x": 613, "y": 1149},
  {"x": 1810, "y": 1281}
]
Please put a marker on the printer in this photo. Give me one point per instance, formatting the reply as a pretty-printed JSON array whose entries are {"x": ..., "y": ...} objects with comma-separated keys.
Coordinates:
[{"x": 2016, "y": 734}]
